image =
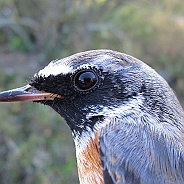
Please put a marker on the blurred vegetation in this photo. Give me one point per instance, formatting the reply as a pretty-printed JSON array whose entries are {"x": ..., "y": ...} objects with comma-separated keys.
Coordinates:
[{"x": 35, "y": 143}]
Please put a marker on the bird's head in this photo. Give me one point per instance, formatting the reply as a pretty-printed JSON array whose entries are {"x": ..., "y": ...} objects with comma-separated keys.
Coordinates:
[
  {"x": 88, "y": 87},
  {"x": 126, "y": 122}
]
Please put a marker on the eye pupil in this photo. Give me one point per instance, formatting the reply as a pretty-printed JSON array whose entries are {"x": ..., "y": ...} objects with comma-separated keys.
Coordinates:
[{"x": 85, "y": 80}]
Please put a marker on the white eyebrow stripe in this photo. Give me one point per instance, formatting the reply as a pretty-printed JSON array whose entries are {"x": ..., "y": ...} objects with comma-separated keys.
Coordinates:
[{"x": 55, "y": 69}]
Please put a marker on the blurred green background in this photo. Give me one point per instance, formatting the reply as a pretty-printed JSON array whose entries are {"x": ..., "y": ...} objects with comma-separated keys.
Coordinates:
[{"x": 35, "y": 143}]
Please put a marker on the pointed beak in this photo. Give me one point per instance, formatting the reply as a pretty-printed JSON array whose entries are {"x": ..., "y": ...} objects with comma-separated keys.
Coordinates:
[{"x": 26, "y": 93}]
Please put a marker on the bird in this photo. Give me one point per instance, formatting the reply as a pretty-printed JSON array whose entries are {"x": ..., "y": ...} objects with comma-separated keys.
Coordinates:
[{"x": 126, "y": 122}]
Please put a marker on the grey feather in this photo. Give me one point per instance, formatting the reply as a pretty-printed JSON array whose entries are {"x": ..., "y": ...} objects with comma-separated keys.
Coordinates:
[{"x": 138, "y": 149}]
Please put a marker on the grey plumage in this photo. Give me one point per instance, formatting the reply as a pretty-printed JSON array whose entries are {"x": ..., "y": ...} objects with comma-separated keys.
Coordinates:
[{"x": 120, "y": 111}]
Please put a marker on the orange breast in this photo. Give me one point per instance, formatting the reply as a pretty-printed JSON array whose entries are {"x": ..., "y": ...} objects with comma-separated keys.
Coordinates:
[{"x": 89, "y": 164}]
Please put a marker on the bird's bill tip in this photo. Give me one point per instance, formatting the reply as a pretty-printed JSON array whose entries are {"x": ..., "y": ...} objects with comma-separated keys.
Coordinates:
[{"x": 26, "y": 93}]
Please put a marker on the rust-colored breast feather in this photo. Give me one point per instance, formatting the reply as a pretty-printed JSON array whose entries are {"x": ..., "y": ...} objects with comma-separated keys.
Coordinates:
[{"x": 89, "y": 163}]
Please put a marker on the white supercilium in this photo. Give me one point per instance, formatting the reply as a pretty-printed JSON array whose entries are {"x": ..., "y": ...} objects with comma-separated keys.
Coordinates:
[{"x": 55, "y": 69}]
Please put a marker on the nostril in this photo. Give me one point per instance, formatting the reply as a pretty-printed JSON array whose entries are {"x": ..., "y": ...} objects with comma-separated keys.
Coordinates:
[{"x": 29, "y": 89}]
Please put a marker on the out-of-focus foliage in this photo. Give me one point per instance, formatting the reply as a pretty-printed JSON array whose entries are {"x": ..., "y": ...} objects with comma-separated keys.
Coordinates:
[{"x": 35, "y": 143}]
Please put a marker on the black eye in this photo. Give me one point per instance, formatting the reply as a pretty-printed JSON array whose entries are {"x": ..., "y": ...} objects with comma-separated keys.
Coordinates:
[{"x": 85, "y": 80}]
